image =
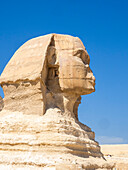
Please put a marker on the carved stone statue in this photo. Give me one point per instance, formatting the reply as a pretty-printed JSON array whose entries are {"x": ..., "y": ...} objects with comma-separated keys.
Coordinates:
[{"x": 43, "y": 83}]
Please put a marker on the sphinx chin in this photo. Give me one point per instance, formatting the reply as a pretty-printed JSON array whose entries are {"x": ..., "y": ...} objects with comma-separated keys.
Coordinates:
[{"x": 78, "y": 91}]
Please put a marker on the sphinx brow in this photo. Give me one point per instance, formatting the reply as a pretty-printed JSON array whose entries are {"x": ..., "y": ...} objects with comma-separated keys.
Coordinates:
[
  {"x": 75, "y": 52},
  {"x": 83, "y": 52},
  {"x": 79, "y": 50}
]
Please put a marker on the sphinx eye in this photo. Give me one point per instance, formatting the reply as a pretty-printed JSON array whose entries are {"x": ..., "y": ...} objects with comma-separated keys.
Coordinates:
[
  {"x": 56, "y": 73},
  {"x": 83, "y": 55},
  {"x": 78, "y": 53}
]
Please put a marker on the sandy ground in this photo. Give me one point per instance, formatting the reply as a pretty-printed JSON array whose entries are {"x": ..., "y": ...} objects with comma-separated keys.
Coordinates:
[{"x": 117, "y": 154}]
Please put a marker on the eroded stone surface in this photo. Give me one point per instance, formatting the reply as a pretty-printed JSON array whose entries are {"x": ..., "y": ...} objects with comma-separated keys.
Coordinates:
[
  {"x": 39, "y": 126},
  {"x": 1, "y": 103}
]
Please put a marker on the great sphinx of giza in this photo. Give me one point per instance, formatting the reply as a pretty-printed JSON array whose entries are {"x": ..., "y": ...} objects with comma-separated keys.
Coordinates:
[{"x": 39, "y": 127}]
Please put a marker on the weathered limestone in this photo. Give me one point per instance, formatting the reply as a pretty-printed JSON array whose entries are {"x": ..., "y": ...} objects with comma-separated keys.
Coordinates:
[
  {"x": 1, "y": 103},
  {"x": 43, "y": 83}
]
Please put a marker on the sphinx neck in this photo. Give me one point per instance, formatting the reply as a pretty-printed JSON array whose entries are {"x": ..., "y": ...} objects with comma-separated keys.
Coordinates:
[
  {"x": 67, "y": 103},
  {"x": 70, "y": 103}
]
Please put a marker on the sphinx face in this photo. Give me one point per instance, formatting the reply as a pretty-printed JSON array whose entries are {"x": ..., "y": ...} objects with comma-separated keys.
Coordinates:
[{"x": 75, "y": 74}]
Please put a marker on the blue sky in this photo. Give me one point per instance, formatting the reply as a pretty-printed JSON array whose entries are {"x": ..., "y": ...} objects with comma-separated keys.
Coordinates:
[{"x": 102, "y": 25}]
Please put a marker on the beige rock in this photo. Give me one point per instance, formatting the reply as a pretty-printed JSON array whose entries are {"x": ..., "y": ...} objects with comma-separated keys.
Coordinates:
[{"x": 39, "y": 127}]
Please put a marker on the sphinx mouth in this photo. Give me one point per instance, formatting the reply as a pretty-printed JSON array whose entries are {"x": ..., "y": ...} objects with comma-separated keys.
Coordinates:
[
  {"x": 77, "y": 78},
  {"x": 91, "y": 81}
]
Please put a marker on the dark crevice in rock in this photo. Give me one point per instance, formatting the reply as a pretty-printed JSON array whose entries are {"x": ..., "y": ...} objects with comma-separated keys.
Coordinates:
[{"x": 1, "y": 104}]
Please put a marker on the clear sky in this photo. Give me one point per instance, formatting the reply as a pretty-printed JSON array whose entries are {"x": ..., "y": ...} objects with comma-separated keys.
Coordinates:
[{"x": 102, "y": 25}]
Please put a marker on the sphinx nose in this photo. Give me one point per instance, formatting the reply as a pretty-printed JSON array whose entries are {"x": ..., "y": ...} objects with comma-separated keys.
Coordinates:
[
  {"x": 93, "y": 77},
  {"x": 90, "y": 73},
  {"x": 90, "y": 76}
]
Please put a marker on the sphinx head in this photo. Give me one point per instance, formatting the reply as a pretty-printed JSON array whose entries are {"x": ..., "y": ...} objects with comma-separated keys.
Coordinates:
[{"x": 51, "y": 71}]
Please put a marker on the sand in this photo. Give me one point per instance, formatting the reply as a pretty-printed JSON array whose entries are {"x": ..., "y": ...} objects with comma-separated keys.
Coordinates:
[{"x": 117, "y": 154}]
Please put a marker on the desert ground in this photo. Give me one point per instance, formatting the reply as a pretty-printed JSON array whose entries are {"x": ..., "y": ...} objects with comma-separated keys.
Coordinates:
[{"x": 117, "y": 154}]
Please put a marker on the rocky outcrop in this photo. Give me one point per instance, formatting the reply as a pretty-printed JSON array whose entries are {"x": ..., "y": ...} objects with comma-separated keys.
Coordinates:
[
  {"x": 1, "y": 103},
  {"x": 39, "y": 124}
]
